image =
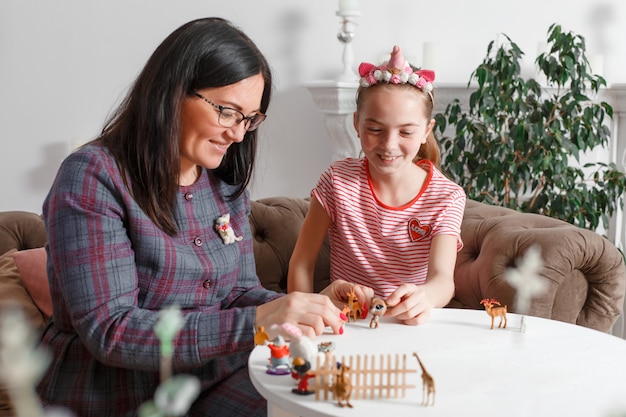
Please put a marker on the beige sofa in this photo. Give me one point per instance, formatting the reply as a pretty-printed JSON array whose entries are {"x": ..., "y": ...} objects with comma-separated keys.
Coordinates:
[{"x": 585, "y": 272}]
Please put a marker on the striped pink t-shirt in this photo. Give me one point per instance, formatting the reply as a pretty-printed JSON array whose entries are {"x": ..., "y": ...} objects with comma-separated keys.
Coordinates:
[{"x": 381, "y": 246}]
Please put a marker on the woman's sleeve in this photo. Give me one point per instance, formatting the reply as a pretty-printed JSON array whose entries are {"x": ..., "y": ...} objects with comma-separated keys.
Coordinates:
[{"x": 248, "y": 290}]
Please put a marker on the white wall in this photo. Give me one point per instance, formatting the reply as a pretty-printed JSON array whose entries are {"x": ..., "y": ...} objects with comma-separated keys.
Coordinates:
[{"x": 64, "y": 64}]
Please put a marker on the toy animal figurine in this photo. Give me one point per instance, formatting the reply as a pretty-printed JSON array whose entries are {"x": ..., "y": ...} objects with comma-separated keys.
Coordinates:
[
  {"x": 222, "y": 225},
  {"x": 301, "y": 372},
  {"x": 279, "y": 359},
  {"x": 494, "y": 312},
  {"x": 261, "y": 337},
  {"x": 378, "y": 306},
  {"x": 326, "y": 347},
  {"x": 355, "y": 309},
  {"x": 428, "y": 385},
  {"x": 346, "y": 313},
  {"x": 342, "y": 388}
]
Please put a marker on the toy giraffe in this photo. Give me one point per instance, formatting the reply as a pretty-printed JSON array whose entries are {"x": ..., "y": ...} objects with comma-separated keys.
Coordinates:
[{"x": 428, "y": 385}]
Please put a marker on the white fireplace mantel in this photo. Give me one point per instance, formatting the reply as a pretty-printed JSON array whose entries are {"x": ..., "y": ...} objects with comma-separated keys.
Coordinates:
[{"x": 336, "y": 101}]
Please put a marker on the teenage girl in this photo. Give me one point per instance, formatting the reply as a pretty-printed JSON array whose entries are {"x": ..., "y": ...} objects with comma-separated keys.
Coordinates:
[{"x": 393, "y": 219}]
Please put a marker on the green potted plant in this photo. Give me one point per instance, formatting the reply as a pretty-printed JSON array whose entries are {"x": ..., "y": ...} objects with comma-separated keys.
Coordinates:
[{"x": 516, "y": 144}]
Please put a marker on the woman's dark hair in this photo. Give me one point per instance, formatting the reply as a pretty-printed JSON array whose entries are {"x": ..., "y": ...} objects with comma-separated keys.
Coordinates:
[{"x": 143, "y": 133}]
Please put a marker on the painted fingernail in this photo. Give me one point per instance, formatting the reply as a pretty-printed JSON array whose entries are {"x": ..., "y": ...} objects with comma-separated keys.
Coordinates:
[
  {"x": 341, "y": 330},
  {"x": 343, "y": 317}
]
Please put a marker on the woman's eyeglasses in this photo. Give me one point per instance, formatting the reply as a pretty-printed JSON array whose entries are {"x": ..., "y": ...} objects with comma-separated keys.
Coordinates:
[{"x": 229, "y": 117}]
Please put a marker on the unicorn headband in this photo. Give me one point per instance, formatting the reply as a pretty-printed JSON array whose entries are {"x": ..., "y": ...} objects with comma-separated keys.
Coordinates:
[{"x": 396, "y": 71}]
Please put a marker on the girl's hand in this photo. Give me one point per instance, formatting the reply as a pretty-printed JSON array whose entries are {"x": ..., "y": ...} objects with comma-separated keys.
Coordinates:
[
  {"x": 409, "y": 304},
  {"x": 338, "y": 291},
  {"x": 310, "y": 312}
]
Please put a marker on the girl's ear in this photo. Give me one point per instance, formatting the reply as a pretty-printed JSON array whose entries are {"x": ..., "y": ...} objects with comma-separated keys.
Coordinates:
[
  {"x": 429, "y": 129},
  {"x": 355, "y": 121}
]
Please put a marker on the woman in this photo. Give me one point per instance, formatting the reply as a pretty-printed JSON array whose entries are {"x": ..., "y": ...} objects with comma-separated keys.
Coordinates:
[{"x": 131, "y": 221}]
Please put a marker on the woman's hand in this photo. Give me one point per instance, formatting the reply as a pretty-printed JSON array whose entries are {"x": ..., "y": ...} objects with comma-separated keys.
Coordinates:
[
  {"x": 338, "y": 291},
  {"x": 311, "y": 312},
  {"x": 409, "y": 303}
]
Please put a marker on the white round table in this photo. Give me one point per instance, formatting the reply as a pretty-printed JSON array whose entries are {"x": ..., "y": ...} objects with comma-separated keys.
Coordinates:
[{"x": 550, "y": 369}]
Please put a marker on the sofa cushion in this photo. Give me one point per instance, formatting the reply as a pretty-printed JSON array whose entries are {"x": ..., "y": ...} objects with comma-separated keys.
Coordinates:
[
  {"x": 14, "y": 292},
  {"x": 31, "y": 264},
  {"x": 21, "y": 230}
]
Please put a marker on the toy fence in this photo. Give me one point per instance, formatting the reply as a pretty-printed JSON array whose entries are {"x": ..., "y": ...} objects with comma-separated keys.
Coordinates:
[{"x": 385, "y": 379}]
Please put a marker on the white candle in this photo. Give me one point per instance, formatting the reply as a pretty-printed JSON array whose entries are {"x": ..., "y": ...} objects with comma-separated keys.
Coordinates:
[{"x": 348, "y": 5}]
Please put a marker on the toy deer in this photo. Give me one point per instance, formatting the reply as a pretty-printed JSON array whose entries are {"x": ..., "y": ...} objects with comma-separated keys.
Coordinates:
[
  {"x": 342, "y": 388},
  {"x": 356, "y": 311},
  {"x": 428, "y": 385},
  {"x": 494, "y": 312}
]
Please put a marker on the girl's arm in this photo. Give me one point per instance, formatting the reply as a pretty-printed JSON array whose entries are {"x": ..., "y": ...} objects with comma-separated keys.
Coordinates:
[
  {"x": 310, "y": 240},
  {"x": 440, "y": 278}
]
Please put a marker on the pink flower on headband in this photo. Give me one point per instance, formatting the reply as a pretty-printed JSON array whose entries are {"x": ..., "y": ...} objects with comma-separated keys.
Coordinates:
[{"x": 396, "y": 71}]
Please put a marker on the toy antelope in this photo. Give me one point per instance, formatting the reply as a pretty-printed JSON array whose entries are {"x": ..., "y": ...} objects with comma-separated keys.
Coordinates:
[
  {"x": 494, "y": 312},
  {"x": 356, "y": 311}
]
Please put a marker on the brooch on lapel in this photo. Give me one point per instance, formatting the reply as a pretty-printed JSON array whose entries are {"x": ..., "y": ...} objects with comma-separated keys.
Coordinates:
[
  {"x": 418, "y": 231},
  {"x": 222, "y": 225}
]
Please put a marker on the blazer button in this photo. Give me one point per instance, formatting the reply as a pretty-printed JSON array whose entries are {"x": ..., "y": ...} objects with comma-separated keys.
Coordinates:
[
  {"x": 188, "y": 196},
  {"x": 207, "y": 284},
  {"x": 197, "y": 241}
]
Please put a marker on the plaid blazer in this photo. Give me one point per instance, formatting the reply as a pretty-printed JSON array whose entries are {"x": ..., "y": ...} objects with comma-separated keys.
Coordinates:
[{"x": 111, "y": 270}]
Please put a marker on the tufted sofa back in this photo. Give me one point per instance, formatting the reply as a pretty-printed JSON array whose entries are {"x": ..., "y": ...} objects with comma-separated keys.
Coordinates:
[{"x": 275, "y": 224}]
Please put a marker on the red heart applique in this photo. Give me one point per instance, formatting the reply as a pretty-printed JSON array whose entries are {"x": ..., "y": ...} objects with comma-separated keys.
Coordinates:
[{"x": 418, "y": 231}]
